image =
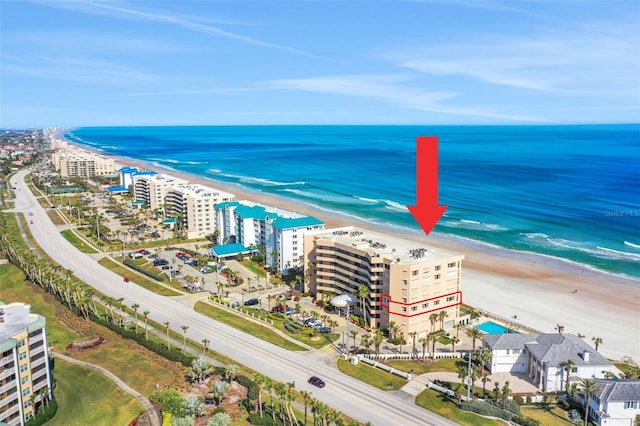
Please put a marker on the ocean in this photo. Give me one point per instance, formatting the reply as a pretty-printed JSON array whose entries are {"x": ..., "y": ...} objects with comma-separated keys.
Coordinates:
[{"x": 570, "y": 191}]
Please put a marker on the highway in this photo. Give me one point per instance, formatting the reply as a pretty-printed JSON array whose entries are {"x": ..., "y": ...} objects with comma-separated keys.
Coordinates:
[{"x": 350, "y": 396}]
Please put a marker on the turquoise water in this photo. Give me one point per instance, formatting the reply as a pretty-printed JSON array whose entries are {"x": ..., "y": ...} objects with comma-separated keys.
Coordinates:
[
  {"x": 570, "y": 192},
  {"x": 490, "y": 327}
]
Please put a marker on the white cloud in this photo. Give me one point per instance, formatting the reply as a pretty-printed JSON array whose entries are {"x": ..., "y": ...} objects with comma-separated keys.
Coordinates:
[
  {"x": 393, "y": 90},
  {"x": 125, "y": 12}
]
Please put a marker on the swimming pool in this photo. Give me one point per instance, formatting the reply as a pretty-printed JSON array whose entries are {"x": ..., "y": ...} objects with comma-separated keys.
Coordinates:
[{"x": 490, "y": 327}]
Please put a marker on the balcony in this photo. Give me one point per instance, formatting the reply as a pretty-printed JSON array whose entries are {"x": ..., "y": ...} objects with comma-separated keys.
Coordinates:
[
  {"x": 8, "y": 413},
  {"x": 35, "y": 351},
  {"x": 8, "y": 386},
  {"x": 9, "y": 370},
  {"x": 35, "y": 339}
]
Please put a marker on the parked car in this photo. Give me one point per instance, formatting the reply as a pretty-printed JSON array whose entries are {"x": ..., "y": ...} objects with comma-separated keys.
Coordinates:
[
  {"x": 206, "y": 270},
  {"x": 290, "y": 311},
  {"x": 278, "y": 308},
  {"x": 316, "y": 381},
  {"x": 165, "y": 267},
  {"x": 160, "y": 262},
  {"x": 251, "y": 302}
]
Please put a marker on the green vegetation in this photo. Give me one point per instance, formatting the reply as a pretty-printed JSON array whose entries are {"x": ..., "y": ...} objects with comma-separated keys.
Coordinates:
[
  {"x": 371, "y": 375},
  {"x": 630, "y": 371},
  {"x": 77, "y": 242},
  {"x": 248, "y": 326},
  {"x": 446, "y": 407},
  {"x": 86, "y": 397},
  {"x": 135, "y": 278},
  {"x": 254, "y": 267},
  {"x": 450, "y": 365},
  {"x": 548, "y": 417}
]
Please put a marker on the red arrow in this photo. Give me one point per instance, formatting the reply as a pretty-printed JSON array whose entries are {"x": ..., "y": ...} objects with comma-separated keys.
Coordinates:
[{"x": 427, "y": 212}]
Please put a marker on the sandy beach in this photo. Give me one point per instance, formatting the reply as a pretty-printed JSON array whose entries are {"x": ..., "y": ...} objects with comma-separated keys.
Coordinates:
[{"x": 539, "y": 290}]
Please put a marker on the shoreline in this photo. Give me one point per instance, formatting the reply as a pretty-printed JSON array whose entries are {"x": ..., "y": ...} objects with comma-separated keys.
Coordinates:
[{"x": 538, "y": 288}]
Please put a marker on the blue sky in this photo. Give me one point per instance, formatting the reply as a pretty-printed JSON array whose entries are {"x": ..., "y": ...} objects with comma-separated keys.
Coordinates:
[{"x": 85, "y": 63}]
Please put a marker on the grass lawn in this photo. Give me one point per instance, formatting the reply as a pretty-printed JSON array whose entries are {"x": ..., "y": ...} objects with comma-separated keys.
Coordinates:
[
  {"x": 443, "y": 405},
  {"x": 555, "y": 417},
  {"x": 236, "y": 321},
  {"x": 253, "y": 267},
  {"x": 420, "y": 368},
  {"x": 371, "y": 375},
  {"x": 86, "y": 397},
  {"x": 630, "y": 371},
  {"x": 78, "y": 243},
  {"x": 147, "y": 283}
]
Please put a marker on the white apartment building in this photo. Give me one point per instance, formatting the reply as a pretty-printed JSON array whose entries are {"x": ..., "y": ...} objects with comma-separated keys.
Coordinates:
[
  {"x": 153, "y": 188},
  {"x": 195, "y": 205},
  {"x": 24, "y": 362},
  {"x": 406, "y": 283},
  {"x": 75, "y": 162},
  {"x": 280, "y": 233}
]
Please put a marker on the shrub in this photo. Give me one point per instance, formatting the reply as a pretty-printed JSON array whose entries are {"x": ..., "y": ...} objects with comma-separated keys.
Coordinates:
[
  {"x": 255, "y": 419},
  {"x": 131, "y": 264},
  {"x": 486, "y": 409},
  {"x": 44, "y": 415},
  {"x": 525, "y": 421},
  {"x": 252, "y": 387}
]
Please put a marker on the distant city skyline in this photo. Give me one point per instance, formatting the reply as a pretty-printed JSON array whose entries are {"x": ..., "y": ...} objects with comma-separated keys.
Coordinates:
[{"x": 99, "y": 63}]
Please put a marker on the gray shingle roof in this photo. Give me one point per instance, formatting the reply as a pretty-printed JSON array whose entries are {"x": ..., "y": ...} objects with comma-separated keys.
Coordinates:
[
  {"x": 548, "y": 348},
  {"x": 619, "y": 390}
]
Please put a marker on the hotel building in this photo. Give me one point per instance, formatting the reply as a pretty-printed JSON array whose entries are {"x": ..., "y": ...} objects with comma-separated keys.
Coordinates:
[
  {"x": 24, "y": 366},
  {"x": 75, "y": 162},
  {"x": 195, "y": 204},
  {"x": 279, "y": 232},
  {"x": 153, "y": 188},
  {"x": 407, "y": 283}
]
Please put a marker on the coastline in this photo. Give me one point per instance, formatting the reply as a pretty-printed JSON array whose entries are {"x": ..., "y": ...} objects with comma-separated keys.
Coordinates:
[{"x": 536, "y": 288}]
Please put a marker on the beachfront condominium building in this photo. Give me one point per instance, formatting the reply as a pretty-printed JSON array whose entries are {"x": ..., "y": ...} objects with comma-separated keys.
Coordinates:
[
  {"x": 76, "y": 162},
  {"x": 416, "y": 288},
  {"x": 25, "y": 377},
  {"x": 194, "y": 205},
  {"x": 278, "y": 233},
  {"x": 153, "y": 188}
]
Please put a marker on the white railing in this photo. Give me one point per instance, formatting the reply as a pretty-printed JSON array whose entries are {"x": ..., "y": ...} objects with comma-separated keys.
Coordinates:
[
  {"x": 243, "y": 312},
  {"x": 428, "y": 355},
  {"x": 384, "y": 367}
]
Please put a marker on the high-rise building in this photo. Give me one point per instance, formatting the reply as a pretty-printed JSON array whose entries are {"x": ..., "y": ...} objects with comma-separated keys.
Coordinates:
[
  {"x": 76, "y": 162},
  {"x": 278, "y": 233},
  {"x": 153, "y": 188},
  {"x": 195, "y": 206},
  {"x": 24, "y": 366},
  {"x": 415, "y": 287}
]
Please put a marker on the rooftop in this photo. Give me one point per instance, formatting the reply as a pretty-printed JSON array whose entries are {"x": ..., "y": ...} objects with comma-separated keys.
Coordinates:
[
  {"x": 281, "y": 219},
  {"x": 15, "y": 318},
  {"x": 378, "y": 244},
  {"x": 619, "y": 390}
]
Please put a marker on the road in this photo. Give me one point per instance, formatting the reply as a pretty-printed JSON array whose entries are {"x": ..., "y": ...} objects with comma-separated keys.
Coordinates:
[{"x": 350, "y": 396}]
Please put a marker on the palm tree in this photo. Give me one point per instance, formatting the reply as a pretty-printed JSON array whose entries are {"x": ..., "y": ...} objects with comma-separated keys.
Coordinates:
[
  {"x": 496, "y": 390},
  {"x": 567, "y": 366},
  {"x": 378, "y": 338},
  {"x": 413, "y": 336},
  {"x": 402, "y": 341},
  {"x": 166, "y": 325},
  {"x": 135, "y": 307},
  {"x": 505, "y": 393},
  {"x": 424, "y": 341},
  {"x": 454, "y": 341},
  {"x": 590, "y": 387},
  {"x": 559, "y": 327},
  {"x": 473, "y": 332},
  {"x": 363, "y": 293},
  {"x": 366, "y": 342},
  {"x": 306, "y": 399},
  {"x": 146, "y": 325},
  {"x": 482, "y": 356},
  {"x": 433, "y": 318},
  {"x": 353, "y": 334},
  {"x": 231, "y": 372},
  {"x": 434, "y": 339},
  {"x": 205, "y": 345},
  {"x": 184, "y": 337},
  {"x": 484, "y": 379},
  {"x": 597, "y": 341},
  {"x": 393, "y": 327},
  {"x": 441, "y": 316},
  {"x": 218, "y": 390}
]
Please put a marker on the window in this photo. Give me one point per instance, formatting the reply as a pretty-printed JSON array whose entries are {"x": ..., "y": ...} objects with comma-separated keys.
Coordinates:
[
  {"x": 436, "y": 302},
  {"x": 574, "y": 369},
  {"x": 425, "y": 305},
  {"x": 25, "y": 379},
  {"x": 451, "y": 265},
  {"x": 516, "y": 351},
  {"x": 22, "y": 356},
  {"x": 26, "y": 392},
  {"x": 24, "y": 368},
  {"x": 404, "y": 309},
  {"x": 414, "y": 308},
  {"x": 436, "y": 277},
  {"x": 438, "y": 267},
  {"x": 414, "y": 272},
  {"x": 451, "y": 298},
  {"x": 631, "y": 404}
]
